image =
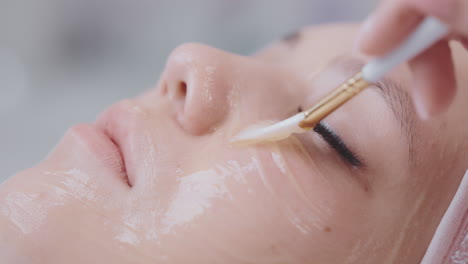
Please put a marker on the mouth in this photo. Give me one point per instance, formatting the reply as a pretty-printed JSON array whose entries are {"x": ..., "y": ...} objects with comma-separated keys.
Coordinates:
[
  {"x": 103, "y": 148},
  {"x": 119, "y": 155},
  {"x": 118, "y": 123}
]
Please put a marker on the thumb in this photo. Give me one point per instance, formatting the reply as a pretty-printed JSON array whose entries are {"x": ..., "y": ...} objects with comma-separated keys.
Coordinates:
[
  {"x": 460, "y": 20},
  {"x": 452, "y": 12}
]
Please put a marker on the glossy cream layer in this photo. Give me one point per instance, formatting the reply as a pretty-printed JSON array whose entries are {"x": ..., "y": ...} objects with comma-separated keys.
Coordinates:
[{"x": 196, "y": 198}]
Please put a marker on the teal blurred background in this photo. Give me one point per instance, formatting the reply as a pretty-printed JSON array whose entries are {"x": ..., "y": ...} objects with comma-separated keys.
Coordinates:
[{"x": 64, "y": 61}]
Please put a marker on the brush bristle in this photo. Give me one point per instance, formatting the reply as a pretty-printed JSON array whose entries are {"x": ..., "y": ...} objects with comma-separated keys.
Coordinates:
[{"x": 273, "y": 132}]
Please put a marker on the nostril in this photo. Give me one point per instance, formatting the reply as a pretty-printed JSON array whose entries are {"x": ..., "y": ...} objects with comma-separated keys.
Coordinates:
[
  {"x": 181, "y": 90},
  {"x": 178, "y": 93}
]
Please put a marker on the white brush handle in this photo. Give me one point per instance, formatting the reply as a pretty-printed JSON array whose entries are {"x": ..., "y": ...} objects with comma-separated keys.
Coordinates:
[{"x": 426, "y": 34}]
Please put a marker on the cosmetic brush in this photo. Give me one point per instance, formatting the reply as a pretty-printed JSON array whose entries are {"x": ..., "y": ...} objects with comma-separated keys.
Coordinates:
[{"x": 429, "y": 31}]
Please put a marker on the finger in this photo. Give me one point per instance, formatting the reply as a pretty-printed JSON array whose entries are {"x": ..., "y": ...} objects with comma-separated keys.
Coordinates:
[
  {"x": 464, "y": 42},
  {"x": 452, "y": 12},
  {"x": 395, "y": 19},
  {"x": 387, "y": 26},
  {"x": 434, "y": 80},
  {"x": 460, "y": 18}
]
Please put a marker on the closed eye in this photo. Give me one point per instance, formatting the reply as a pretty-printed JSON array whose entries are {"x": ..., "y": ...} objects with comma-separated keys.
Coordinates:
[{"x": 336, "y": 143}]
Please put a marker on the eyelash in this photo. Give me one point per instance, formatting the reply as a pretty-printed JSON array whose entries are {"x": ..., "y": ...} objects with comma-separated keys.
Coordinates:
[{"x": 336, "y": 143}]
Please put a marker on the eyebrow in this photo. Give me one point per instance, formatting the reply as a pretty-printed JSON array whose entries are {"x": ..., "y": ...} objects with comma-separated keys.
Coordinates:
[
  {"x": 293, "y": 38},
  {"x": 394, "y": 95}
]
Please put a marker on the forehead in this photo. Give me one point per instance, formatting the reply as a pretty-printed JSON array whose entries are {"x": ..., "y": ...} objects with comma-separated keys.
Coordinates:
[
  {"x": 318, "y": 46},
  {"x": 323, "y": 43}
]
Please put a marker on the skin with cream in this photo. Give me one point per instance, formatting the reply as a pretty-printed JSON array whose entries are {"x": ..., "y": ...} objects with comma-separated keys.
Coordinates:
[{"x": 156, "y": 179}]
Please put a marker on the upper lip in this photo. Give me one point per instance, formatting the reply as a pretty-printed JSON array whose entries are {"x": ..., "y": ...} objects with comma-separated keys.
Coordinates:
[{"x": 116, "y": 123}]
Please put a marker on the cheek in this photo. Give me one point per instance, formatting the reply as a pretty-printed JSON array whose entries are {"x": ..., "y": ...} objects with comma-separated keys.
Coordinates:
[
  {"x": 317, "y": 201},
  {"x": 298, "y": 186}
]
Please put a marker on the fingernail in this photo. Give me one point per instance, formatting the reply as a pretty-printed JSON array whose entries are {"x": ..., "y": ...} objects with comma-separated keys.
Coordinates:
[{"x": 419, "y": 104}]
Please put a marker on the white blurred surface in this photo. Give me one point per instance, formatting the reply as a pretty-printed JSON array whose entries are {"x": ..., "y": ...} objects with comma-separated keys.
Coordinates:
[{"x": 64, "y": 61}]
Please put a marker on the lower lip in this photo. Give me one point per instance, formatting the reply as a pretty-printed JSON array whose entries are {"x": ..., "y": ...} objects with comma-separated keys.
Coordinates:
[{"x": 104, "y": 150}]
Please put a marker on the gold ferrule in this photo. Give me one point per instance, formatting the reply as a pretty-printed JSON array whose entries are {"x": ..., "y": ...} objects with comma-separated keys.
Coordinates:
[{"x": 333, "y": 100}]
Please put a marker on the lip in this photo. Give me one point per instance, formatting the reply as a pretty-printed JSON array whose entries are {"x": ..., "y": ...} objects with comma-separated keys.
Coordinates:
[
  {"x": 119, "y": 124},
  {"x": 103, "y": 148}
]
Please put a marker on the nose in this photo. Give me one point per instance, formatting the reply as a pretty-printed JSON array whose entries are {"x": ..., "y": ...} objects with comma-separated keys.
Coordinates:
[
  {"x": 195, "y": 83},
  {"x": 205, "y": 84}
]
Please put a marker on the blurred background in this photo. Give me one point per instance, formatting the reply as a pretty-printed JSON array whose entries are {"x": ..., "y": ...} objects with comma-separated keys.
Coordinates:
[{"x": 64, "y": 61}]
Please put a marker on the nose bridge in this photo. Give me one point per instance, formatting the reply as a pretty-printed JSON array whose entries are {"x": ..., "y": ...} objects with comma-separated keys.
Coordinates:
[{"x": 269, "y": 92}]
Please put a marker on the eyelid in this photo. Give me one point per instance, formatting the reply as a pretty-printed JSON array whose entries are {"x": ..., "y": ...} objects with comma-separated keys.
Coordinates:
[{"x": 338, "y": 145}]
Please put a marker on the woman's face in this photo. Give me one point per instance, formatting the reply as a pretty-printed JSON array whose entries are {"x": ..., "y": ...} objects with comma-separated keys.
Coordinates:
[{"x": 156, "y": 179}]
